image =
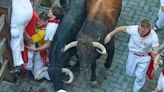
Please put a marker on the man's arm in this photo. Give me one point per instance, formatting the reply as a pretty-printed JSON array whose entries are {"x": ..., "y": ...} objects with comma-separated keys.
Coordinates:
[
  {"x": 27, "y": 38},
  {"x": 115, "y": 31},
  {"x": 162, "y": 8},
  {"x": 156, "y": 54},
  {"x": 43, "y": 47}
]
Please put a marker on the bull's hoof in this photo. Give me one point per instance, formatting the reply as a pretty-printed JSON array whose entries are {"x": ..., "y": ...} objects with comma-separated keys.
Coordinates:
[
  {"x": 45, "y": 90},
  {"x": 107, "y": 66},
  {"x": 94, "y": 84}
]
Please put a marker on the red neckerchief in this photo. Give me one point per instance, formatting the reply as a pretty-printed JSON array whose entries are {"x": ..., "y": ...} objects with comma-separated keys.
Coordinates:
[
  {"x": 146, "y": 33},
  {"x": 42, "y": 26},
  {"x": 163, "y": 71},
  {"x": 54, "y": 21}
]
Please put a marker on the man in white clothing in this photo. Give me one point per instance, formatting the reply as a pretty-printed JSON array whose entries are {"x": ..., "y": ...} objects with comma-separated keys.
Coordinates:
[
  {"x": 20, "y": 16},
  {"x": 142, "y": 38},
  {"x": 160, "y": 22}
]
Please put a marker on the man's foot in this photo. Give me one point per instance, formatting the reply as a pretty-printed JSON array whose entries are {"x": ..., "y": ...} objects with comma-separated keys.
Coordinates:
[
  {"x": 61, "y": 90},
  {"x": 49, "y": 90},
  {"x": 16, "y": 69}
]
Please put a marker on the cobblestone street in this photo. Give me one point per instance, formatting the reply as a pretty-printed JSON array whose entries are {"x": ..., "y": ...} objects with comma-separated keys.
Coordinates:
[{"x": 115, "y": 78}]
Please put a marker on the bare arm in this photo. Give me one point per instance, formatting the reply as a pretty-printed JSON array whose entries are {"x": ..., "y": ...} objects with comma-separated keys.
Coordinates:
[
  {"x": 156, "y": 55},
  {"x": 43, "y": 47},
  {"x": 114, "y": 32},
  {"x": 162, "y": 8}
]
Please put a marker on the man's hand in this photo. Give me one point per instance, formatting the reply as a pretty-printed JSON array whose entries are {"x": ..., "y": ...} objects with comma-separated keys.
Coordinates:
[
  {"x": 107, "y": 38},
  {"x": 27, "y": 38},
  {"x": 31, "y": 48},
  {"x": 156, "y": 62}
]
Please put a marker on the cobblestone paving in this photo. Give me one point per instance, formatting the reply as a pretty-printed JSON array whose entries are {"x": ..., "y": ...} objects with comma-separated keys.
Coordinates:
[{"x": 116, "y": 79}]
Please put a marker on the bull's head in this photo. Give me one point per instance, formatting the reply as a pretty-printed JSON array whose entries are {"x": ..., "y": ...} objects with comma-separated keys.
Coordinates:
[{"x": 86, "y": 50}]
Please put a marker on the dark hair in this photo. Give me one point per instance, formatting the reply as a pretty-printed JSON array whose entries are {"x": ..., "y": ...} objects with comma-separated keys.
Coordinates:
[
  {"x": 57, "y": 11},
  {"x": 43, "y": 16},
  {"x": 145, "y": 23},
  {"x": 32, "y": 1}
]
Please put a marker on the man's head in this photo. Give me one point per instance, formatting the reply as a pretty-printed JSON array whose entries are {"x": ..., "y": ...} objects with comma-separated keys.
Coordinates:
[
  {"x": 32, "y": 2},
  {"x": 144, "y": 27},
  {"x": 56, "y": 12},
  {"x": 43, "y": 17}
]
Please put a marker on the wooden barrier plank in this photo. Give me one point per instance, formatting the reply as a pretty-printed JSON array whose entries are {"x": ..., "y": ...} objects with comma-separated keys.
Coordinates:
[
  {"x": 2, "y": 21},
  {"x": 3, "y": 69},
  {"x": 2, "y": 46}
]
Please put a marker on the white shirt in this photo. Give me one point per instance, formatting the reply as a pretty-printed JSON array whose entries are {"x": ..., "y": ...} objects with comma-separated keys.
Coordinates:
[
  {"x": 50, "y": 31},
  {"x": 160, "y": 13},
  {"x": 141, "y": 44}
]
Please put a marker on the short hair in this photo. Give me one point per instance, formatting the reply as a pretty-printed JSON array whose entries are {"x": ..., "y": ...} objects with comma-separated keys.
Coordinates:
[
  {"x": 43, "y": 16},
  {"x": 145, "y": 23},
  {"x": 57, "y": 11},
  {"x": 32, "y": 1}
]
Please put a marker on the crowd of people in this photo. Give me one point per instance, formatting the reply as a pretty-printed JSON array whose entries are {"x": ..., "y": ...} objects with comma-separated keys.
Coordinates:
[{"x": 32, "y": 34}]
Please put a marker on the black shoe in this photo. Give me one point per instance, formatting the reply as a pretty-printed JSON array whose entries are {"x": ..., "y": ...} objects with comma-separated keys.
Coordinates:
[
  {"x": 16, "y": 69},
  {"x": 107, "y": 65}
]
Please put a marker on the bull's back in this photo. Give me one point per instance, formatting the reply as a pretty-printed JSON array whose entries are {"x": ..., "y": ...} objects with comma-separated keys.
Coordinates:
[
  {"x": 67, "y": 30},
  {"x": 104, "y": 10}
]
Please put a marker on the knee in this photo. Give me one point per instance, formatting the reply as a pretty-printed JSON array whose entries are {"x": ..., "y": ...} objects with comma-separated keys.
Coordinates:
[
  {"x": 140, "y": 79},
  {"x": 14, "y": 33}
]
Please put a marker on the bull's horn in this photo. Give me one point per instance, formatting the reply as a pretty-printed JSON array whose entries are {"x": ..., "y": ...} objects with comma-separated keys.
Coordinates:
[
  {"x": 70, "y": 45},
  {"x": 68, "y": 72},
  {"x": 40, "y": 71},
  {"x": 64, "y": 70},
  {"x": 100, "y": 46}
]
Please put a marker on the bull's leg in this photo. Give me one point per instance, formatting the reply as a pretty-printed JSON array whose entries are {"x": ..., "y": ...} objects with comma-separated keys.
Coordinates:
[
  {"x": 110, "y": 49},
  {"x": 55, "y": 74},
  {"x": 93, "y": 74}
]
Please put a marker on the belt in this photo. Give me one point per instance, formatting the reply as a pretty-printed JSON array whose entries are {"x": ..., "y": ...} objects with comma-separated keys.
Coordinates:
[{"x": 138, "y": 54}]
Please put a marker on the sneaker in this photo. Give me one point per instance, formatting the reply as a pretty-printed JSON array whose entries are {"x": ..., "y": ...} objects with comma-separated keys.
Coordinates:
[{"x": 61, "y": 90}]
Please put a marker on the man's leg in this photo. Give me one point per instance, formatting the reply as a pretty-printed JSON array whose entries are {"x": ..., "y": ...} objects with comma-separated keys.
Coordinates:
[
  {"x": 160, "y": 22},
  {"x": 131, "y": 64},
  {"x": 16, "y": 38},
  {"x": 160, "y": 86},
  {"x": 140, "y": 73}
]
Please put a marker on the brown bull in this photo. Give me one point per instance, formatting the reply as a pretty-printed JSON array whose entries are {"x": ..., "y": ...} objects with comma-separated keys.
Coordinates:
[{"x": 101, "y": 19}]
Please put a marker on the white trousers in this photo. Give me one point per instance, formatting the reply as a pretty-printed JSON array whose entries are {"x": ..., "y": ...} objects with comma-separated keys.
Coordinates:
[
  {"x": 160, "y": 21},
  {"x": 160, "y": 86},
  {"x": 21, "y": 15},
  {"x": 35, "y": 64},
  {"x": 137, "y": 66}
]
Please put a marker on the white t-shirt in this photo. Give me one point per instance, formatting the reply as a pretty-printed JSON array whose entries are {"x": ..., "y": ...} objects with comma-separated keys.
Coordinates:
[
  {"x": 140, "y": 44},
  {"x": 50, "y": 31},
  {"x": 160, "y": 12}
]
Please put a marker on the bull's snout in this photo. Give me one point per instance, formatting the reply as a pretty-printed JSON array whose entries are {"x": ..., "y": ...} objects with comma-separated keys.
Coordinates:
[{"x": 85, "y": 66}]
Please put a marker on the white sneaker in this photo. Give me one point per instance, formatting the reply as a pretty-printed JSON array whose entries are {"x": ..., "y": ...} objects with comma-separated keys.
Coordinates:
[{"x": 61, "y": 90}]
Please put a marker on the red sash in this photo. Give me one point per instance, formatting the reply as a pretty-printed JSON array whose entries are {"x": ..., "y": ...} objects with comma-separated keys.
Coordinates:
[
  {"x": 30, "y": 29},
  {"x": 53, "y": 21},
  {"x": 150, "y": 68}
]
